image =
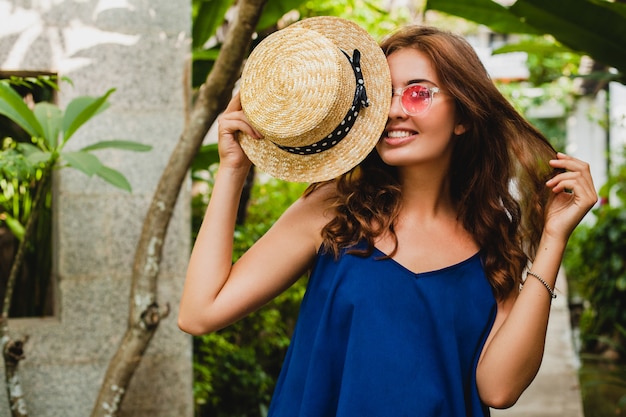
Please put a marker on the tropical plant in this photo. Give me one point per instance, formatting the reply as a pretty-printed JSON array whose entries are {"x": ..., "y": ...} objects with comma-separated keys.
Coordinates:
[
  {"x": 211, "y": 22},
  {"x": 595, "y": 265},
  {"x": 377, "y": 17},
  {"x": 593, "y": 27},
  {"x": 596, "y": 261},
  {"x": 50, "y": 128}
]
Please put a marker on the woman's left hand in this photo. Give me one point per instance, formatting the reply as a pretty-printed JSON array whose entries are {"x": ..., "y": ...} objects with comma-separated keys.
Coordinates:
[{"x": 574, "y": 196}]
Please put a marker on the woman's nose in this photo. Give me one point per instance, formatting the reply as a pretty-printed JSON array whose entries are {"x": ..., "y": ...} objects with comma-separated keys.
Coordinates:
[{"x": 395, "y": 110}]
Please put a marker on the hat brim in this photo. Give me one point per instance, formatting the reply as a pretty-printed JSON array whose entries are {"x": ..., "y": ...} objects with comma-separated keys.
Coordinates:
[{"x": 367, "y": 128}]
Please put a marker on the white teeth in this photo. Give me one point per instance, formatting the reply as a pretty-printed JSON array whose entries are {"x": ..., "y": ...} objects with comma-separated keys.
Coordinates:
[{"x": 398, "y": 134}]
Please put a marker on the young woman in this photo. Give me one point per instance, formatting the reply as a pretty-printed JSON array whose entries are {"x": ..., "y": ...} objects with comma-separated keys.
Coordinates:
[{"x": 415, "y": 304}]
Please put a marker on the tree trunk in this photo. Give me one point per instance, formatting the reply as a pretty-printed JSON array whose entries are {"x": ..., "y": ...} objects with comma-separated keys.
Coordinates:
[{"x": 144, "y": 312}]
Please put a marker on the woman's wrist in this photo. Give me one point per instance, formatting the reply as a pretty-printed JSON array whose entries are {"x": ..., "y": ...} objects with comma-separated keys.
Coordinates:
[
  {"x": 552, "y": 242},
  {"x": 233, "y": 172}
]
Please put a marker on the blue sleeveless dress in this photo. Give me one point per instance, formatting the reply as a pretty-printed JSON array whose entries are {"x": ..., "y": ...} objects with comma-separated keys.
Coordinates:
[{"x": 374, "y": 339}]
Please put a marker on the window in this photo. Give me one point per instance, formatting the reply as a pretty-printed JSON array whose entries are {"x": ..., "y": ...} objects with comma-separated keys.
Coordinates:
[{"x": 33, "y": 290}]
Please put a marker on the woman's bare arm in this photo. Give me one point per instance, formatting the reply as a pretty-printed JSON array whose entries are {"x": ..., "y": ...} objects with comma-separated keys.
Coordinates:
[
  {"x": 513, "y": 352},
  {"x": 216, "y": 292}
]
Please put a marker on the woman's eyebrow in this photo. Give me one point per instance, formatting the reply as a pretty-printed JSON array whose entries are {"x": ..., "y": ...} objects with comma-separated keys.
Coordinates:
[{"x": 419, "y": 80}]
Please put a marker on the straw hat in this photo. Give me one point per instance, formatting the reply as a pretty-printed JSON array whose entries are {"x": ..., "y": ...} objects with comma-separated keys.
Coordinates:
[{"x": 302, "y": 88}]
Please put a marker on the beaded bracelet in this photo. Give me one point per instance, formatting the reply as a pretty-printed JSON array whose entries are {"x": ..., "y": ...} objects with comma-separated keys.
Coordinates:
[{"x": 543, "y": 281}]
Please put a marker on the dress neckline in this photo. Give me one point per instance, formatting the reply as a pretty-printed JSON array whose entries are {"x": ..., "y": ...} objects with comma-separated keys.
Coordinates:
[{"x": 431, "y": 272}]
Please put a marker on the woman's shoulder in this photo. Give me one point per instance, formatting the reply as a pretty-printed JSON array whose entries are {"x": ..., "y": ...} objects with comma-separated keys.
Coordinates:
[
  {"x": 319, "y": 197},
  {"x": 313, "y": 210}
]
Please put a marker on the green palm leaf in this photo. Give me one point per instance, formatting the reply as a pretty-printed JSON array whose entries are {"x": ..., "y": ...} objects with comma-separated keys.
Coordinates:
[
  {"x": 80, "y": 110},
  {"x": 118, "y": 144},
  {"x": 12, "y": 106},
  {"x": 50, "y": 117}
]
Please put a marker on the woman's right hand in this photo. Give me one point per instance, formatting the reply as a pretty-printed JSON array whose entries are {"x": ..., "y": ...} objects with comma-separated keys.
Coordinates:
[{"x": 232, "y": 121}]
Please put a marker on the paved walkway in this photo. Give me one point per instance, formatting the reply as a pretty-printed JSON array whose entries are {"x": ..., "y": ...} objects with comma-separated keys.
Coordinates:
[{"x": 555, "y": 392}]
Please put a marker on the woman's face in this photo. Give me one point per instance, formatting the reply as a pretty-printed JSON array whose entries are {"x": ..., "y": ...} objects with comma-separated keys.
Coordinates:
[{"x": 426, "y": 137}]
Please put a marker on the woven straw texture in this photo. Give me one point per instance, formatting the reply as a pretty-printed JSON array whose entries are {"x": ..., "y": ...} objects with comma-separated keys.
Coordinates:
[{"x": 296, "y": 88}]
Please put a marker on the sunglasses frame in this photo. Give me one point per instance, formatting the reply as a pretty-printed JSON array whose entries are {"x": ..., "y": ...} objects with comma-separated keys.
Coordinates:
[{"x": 400, "y": 92}]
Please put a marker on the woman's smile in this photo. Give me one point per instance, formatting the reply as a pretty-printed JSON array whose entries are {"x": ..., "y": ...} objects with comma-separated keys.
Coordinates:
[{"x": 395, "y": 137}]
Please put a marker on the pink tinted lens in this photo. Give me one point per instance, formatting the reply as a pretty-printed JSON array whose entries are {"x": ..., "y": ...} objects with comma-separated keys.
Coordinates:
[{"x": 415, "y": 99}]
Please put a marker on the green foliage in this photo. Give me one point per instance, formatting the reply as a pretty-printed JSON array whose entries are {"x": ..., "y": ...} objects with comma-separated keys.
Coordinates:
[
  {"x": 26, "y": 167},
  {"x": 50, "y": 129},
  {"x": 547, "y": 62},
  {"x": 16, "y": 175},
  {"x": 593, "y": 27},
  {"x": 489, "y": 13},
  {"x": 274, "y": 10},
  {"x": 18, "y": 180},
  {"x": 235, "y": 369},
  {"x": 596, "y": 260},
  {"x": 550, "y": 84},
  {"x": 595, "y": 263},
  {"x": 209, "y": 15},
  {"x": 372, "y": 15},
  {"x": 527, "y": 98}
]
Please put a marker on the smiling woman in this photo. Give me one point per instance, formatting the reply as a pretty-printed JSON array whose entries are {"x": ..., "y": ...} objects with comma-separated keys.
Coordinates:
[
  {"x": 422, "y": 121},
  {"x": 415, "y": 256}
]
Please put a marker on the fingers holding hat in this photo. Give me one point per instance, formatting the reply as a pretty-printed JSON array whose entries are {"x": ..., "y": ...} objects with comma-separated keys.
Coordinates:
[
  {"x": 240, "y": 122},
  {"x": 230, "y": 123}
]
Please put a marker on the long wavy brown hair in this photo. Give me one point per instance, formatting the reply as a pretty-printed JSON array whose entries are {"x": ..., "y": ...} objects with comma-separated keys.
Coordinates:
[{"x": 497, "y": 172}]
